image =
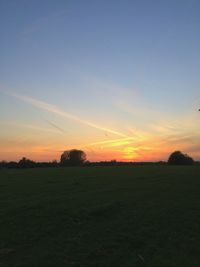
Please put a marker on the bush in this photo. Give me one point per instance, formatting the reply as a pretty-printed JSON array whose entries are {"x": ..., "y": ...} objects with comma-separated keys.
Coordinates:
[{"x": 178, "y": 158}]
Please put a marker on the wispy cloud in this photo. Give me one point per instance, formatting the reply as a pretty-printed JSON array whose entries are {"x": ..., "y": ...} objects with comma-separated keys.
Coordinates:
[
  {"x": 29, "y": 126},
  {"x": 54, "y": 109},
  {"x": 113, "y": 142}
]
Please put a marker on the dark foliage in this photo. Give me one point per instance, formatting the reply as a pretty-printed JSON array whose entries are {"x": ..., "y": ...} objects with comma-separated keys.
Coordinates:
[
  {"x": 78, "y": 158},
  {"x": 178, "y": 158},
  {"x": 8, "y": 165},
  {"x": 72, "y": 157},
  {"x": 26, "y": 163},
  {"x": 122, "y": 163}
]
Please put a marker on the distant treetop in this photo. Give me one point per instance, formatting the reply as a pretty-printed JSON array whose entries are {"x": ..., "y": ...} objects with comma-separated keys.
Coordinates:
[
  {"x": 178, "y": 158},
  {"x": 72, "y": 157}
]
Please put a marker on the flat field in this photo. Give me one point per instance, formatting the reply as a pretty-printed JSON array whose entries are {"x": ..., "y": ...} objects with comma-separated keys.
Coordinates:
[{"x": 100, "y": 216}]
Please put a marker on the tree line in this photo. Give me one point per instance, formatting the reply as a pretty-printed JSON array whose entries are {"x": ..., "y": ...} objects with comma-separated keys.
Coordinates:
[{"x": 75, "y": 157}]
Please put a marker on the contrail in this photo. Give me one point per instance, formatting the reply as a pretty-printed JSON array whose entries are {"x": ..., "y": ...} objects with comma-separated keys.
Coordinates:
[
  {"x": 108, "y": 142},
  {"x": 55, "y": 126},
  {"x": 54, "y": 109}
]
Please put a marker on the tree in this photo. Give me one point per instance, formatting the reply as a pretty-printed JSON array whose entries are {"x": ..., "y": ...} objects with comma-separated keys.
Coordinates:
[
  {"x": 178, "y": 158},
  {"x": 26, "y": 163},
  {"x": 72, "y": 157}
]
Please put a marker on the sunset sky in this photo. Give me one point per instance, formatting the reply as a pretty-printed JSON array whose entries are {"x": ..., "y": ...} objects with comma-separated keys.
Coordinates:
[{"x": 119, "y": 79}]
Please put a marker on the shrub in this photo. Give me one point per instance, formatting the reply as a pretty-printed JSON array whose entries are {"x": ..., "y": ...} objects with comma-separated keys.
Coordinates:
[{"x": 178, "y": 158}]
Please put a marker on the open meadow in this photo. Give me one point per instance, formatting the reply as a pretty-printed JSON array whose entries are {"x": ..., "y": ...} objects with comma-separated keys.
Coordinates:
[{"x": 100, "y": 216}]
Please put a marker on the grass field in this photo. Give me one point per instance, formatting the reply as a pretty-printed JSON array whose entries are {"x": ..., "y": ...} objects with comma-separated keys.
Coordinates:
[{"x": 100, "y": 216}]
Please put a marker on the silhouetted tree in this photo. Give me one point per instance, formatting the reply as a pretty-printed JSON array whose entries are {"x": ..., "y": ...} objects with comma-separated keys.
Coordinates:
[
  {"x": 178, "y": 158},
  {"x": 26, "y": 163},
  {"x": 72, "y": 157},
  {"x": 9, "y": 165}
]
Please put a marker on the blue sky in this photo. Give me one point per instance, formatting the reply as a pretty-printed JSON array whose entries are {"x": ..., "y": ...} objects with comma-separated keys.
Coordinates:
[{"x": 128, "y": 66}]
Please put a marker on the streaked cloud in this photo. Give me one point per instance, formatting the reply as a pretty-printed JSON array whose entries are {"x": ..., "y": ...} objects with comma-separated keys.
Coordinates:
[
  {"x": 28, "y": 126},
  {"x": 111, "y": 142},
  {"x": 54, "y": 109}
]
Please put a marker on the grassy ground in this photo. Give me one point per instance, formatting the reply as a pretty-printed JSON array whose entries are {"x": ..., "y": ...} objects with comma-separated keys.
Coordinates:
[{"x": 100, "y": 216}]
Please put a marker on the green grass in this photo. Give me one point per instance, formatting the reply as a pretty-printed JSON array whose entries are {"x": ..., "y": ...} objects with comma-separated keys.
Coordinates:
[{"x": 100, "y": 216}]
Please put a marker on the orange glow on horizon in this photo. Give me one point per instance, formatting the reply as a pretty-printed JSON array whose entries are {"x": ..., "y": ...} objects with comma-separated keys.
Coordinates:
[
  {"x": 41, "y": 143},
  {"x": 125, "y": 149}
]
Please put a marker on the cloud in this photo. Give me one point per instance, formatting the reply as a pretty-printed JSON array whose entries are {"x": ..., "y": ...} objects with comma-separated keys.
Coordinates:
[
  {"x": 29, "y": 126},
  {"x": 113, "y": 142},
  {"x": 54, "y": 109}
]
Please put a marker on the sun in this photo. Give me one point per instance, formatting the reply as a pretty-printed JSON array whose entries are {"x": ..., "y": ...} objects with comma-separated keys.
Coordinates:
[{"x": 129, "y": 153}]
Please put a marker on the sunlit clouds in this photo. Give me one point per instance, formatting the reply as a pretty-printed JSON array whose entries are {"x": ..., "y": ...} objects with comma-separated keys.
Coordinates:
[
  {"x": 53, "y": 109},
  {"x": 150, "y": 141},
  {"x": 118, "y": 80}
]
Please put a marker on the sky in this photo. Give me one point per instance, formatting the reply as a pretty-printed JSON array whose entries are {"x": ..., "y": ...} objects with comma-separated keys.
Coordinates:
[{"x": 117, "y": 79}]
